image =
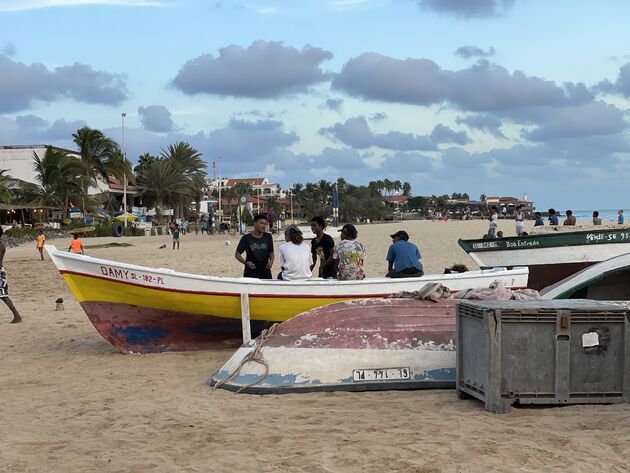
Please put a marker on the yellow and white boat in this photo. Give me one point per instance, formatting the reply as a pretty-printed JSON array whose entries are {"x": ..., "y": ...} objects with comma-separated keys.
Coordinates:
[{"x": 140, "y": 309}]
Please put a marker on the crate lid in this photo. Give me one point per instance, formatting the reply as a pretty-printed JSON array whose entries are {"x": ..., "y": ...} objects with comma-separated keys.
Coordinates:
[{"x": 555, "y": 304}]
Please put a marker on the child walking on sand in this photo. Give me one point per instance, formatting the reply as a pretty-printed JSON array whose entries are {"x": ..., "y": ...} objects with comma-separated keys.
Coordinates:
[{"x": 41, "y": 239}]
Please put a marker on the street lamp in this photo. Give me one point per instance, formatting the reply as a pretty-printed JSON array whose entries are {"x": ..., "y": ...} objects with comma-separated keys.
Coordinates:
[
  {"x": 291, "y": 197},
  {"x": 123, "y": 115}
]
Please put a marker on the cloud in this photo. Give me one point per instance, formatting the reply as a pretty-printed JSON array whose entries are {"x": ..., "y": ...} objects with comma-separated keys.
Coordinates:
[
  {"x": 22, "y": 84},
  {"x": 473, "y": 51},
  {"x": 355, "y": 132},
  {"x": 378, "y": 116},
  {"x": 9, "y": 50},
  {"x": 333, "y": 104},
  {"x": 596, "y": 118},
  {"x": 20, "y": 5},
  {"x": 156, "y": 118},
  {"x": 31, "y": 129},
  {"x": 480, "y": 87},
  {"x": 263, "y": 70},
  {"x": 468, "y": 8},
  {"x": 443, "y": 134},
  {"x": 620, "y": 86},
  {"x": 483, "y": 122}
]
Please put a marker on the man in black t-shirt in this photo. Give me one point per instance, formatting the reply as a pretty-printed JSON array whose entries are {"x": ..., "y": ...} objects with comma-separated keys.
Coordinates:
[
  {"x": 258, "y": 248},
  {"x": 322, "y": 246}
]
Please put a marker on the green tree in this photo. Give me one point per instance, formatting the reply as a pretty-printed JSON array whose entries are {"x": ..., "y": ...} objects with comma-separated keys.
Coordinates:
[
  {"x": 60, "y": 180},
  {"x": 95, "y": 150}
]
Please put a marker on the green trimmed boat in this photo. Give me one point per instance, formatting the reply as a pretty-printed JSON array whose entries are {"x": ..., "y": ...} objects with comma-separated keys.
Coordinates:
[{"x": 552, "y": 256}]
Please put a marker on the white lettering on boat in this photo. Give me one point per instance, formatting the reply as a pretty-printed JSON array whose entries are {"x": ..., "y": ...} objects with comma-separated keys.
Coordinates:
[
  {"x": 485, "y": 244},
  {"x": 521, "y": 243},
  {"x": 126, "y": 275},
  {"x": 595, "y": 237}
]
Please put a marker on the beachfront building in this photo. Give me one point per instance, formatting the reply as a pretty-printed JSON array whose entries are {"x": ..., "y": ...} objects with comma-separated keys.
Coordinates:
[
  {"x": 260, "y": 185},
  {"x": 18, "y": 161}
]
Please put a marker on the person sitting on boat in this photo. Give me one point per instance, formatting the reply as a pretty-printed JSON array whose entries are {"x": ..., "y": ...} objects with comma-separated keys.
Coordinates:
[
  {"x": 349, "y": 255},
  {"x": 76, "y": 245},
  {"x": 322, "y": 247},
  {"x": 403, "y": 257},
  {"x": 570, "y": 220},
  {"x": 539, "y": 221},
  {"x": 596, "y": 219},
  {"x": 258, "y": 248},
  {"x": 295, "y": 256},
  {"x": 519, "y": 217},
  {"x": 553, "y": 218},
  {"x": 620, "y": 218}
]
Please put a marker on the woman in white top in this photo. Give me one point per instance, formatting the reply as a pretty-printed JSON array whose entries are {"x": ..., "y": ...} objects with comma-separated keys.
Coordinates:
[
  {"x": 519, "y": 217},
  {"x": 295, "y": 256}
]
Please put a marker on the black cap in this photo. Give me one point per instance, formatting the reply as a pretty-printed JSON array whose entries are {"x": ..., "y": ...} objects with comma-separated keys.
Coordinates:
[
  {"x": 350, "y": 230},
  {"x": 403, "y": 235}
]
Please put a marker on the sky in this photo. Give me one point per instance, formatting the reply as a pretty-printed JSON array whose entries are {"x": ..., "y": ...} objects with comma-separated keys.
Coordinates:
[{"x": 495, "y": 97}]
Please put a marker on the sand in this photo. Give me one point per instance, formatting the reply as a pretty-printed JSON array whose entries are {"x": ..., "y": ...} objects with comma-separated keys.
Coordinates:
[{"x": 71, "y": 402}]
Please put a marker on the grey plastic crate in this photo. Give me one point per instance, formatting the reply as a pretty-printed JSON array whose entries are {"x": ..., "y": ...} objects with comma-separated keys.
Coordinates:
[{"x": 543, "y": 352}]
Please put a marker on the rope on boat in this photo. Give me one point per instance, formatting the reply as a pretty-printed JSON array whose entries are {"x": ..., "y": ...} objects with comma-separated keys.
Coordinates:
[{"x": 255, "y": 356}]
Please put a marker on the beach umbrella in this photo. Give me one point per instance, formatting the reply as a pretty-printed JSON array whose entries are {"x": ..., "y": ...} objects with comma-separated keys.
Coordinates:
[{"x": 121, "y": 217}]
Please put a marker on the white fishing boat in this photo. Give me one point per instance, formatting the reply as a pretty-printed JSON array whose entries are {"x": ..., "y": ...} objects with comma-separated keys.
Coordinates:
[
  {"x": 553, "y": 255},
  {"x": 143, "y": 309}
]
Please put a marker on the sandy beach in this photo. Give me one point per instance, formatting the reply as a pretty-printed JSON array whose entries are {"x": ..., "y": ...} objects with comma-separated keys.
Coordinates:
[{"x": 72, "y": 403}]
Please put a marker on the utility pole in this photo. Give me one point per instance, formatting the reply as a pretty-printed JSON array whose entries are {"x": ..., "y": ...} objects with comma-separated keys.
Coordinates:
[{"x": 123, "y": 115}]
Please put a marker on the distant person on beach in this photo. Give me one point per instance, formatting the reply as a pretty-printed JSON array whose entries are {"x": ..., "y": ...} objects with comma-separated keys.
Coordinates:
[
  {"x": 539, "y": 221},
  {"x": 403, "y": 258},
  {"x": 620, "y": 218},
  {"x": 553, "y": 218},
  {"x": 500, "y": 234},
  {"x": 295, "y": 256},
  {"x": 494, "y": 219},
  {"x": 4, "y": 285},
  {"x": 570, "y": 220},
  {"x": 596, "y": 219},
  {"x": 176, "y": 236},
  {"x": 258, "y": 248},
  {"x": 349, "y": 255},
  {"x": 322, "y": 247},
  {"x": 519, "y": 217},
  {"x": 41, "y": 240},
  {"x": 76, "y": 245}
]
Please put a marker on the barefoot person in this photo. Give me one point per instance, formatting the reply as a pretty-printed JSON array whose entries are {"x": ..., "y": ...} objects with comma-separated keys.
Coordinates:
[
  {"x": 41, "y": 240},
  {"x": 76, "y": 245},
  {"x": 4, "y": 286},
  {"x": 322, "y": 247}
]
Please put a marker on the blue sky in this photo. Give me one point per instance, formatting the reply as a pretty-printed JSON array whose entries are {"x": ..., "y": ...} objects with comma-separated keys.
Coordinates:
[{"x": 481, "y": 96}]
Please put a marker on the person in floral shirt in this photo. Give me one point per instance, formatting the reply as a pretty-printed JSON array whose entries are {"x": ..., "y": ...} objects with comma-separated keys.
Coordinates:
[{"x": 349, "y": 254}]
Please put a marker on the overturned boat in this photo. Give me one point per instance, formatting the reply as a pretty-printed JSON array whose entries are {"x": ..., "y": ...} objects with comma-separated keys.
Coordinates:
[
  {"x": 140, "y": 309},
  {"x": 369, "y": 344}
]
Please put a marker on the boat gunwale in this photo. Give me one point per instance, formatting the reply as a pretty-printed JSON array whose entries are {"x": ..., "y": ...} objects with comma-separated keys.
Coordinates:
[
  {"x": 55, "y": 253},
  {"x": 464, "y": 243}
]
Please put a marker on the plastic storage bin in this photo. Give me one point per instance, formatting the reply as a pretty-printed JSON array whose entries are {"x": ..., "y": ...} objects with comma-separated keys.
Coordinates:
[{"x": 542, "y": 352}]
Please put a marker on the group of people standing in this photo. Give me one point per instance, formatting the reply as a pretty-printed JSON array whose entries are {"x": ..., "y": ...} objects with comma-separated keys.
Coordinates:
[{"x": 342, "y": 261}]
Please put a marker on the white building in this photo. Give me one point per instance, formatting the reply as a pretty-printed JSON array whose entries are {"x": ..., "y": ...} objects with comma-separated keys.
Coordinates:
[{"x": 19, "y": 163}]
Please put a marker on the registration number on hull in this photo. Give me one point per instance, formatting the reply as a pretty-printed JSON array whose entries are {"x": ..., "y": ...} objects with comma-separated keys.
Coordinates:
[{"x": 381, "y": 374}]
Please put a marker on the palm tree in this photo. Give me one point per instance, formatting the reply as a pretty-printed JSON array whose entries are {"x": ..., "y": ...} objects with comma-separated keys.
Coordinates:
[
  {"x": 187, "y": 160},
  {"x": 95, "y": 150},
  {"x": 6, "y": 185},
  {"x": 163, "y": 183},
  {"x": 59, "y": 177}
]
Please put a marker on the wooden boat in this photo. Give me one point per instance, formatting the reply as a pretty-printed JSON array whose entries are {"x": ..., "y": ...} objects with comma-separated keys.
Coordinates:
[
  {"x": 140, "y": 309},
  {"x": 608, "y": 280},
  {"x": 360, "y": 345},
  {"x": 551, "y": 256}
]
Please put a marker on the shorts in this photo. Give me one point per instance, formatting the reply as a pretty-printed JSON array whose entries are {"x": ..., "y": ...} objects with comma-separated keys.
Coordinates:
[{"x": 4, "y": 285}]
